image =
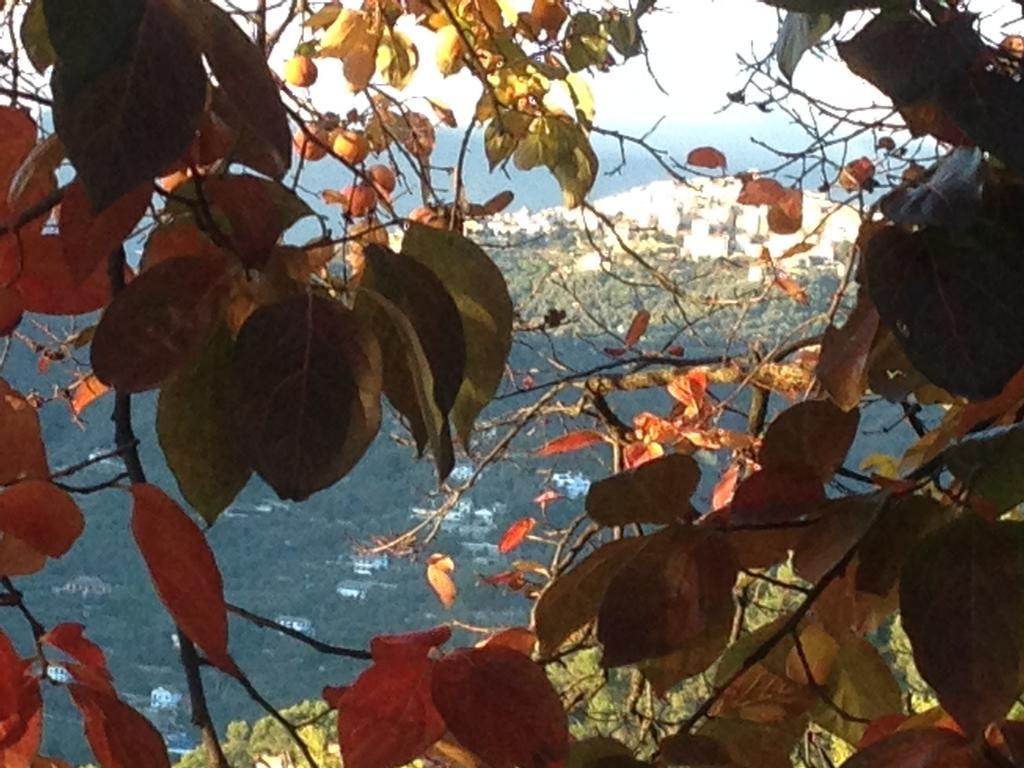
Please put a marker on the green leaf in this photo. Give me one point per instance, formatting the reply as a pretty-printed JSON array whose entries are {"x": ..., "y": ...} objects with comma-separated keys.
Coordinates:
[
  {"x": 308, "y": 377},
  {"x": 420, "y": 331},
  {"x": 35, "y": 38},
  {"x": 573, "y": 599},
  {"x": 159, "y": 322},
  {"x": 951, "y": 301},
  {"x": 128, "y": 91},
  {"x": 249, "y": 98},
  {"x": 600, "y": 752},
  {"x": 563, "y": 147},
  {"x": 656, "y": 492},
  {"x": 196, "y": 426},
  {"x": 862, "y": 686},
  {"x": 624, "y": 34},
  {"x": 481, "y": 296},
  {"x": 990, "y": 466},
  {"x": 667, "y": 595},
  {"x": 585, "y": 42},
  {"x": 962, "y": 602}
]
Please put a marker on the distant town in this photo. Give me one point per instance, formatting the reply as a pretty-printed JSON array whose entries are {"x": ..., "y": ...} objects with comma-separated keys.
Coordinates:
[{"x": 701, "y": 218}]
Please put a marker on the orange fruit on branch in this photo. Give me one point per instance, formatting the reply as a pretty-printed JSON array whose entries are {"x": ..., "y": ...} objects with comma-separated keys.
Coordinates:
[{"x": 300, "y": 71}]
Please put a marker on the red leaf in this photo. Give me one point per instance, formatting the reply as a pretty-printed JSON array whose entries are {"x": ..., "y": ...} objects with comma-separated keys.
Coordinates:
[
  {"x": 12, "y": 307},
  {"x": 881, "y": 728},
  {"x": 513, "y": 580},
  {"x": 516, "y": 534},
  {"x": 918, "y": 747},
  {"x": 573, "y": 441},
  {"x": 69, "y": 639},
  {"x": 119, "y": 736},
  {"x": 21, "y": 721},
  {"x": 706, "y": 157},
  {"x": 637, "y": 454},
  {"x": 615, "y": 351},
  {"x": 637, "y": 328},
  {"x": 410, "y": 644},
  {"x": 255, "y": 216},
  {"x": 501, "y": 706},
  {"x": 690, "y": 390},
  {"x": 387, "y": 718},
  {"x": 760, "y": 192},
  {"x": 332, "y": 695},
  {"x": 88, "y": 239},
  {"x": 36, "y": 269},
  {"x": 23, "y": 455},
  {"x": 676, "y": 350},
  {"x": 41, "y": 515},
  {"x": 183, "y": 570}
]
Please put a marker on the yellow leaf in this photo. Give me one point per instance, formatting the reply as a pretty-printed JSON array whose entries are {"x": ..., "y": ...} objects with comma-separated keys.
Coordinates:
[{"x": 351, "y": 39}]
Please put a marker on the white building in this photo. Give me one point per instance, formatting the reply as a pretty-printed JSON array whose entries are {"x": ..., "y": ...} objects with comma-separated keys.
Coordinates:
[
  {"x": 164, "y": 698},
  {"x": 572, "y": 485},
  {"x": 351, "y": 590},
  {"x": 365, "y": 565},
  {"x": 58, "y": 674},
  {"x": 297, "y": 623}
]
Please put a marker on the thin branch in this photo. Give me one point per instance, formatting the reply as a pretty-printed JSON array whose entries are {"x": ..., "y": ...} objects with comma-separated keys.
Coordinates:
[{"x": 312, "y": 642}]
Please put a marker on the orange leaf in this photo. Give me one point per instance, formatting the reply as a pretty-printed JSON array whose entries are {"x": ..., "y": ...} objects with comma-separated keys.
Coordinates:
[
  {"x": 19, "y": 559},
  {"x": 726, "y": 486},
  {"x": 183, "y": 570},
  {"x": 637, "y": 328},
  {"x": 501, "y": 706},
  {"x": 573, "y": 441},
  {"x": 498, "y": 203},
  {"x": 86, "y": 392},
  {"x": 760, "y": 192},
  {"x": 88, "y": 239},
  {"x": 119, "y": 736},
  {"x": 518, "y": 639},
  {"x": 69, "y": 639},
  {"x": 791, "y": 287},
  {"x": 637, "y": 454},
  {"x": 410, "y": 644},
  {"x": 12, "y": 307},
  {"x": 41, "y": 515},
  {"x": 516, "y": 534},
  {"x": 690, "y": 390},
  {"x": 438, "y": 569},
  {"x": 706, "y": 157},
  {"x": 387, "y": 718},
  {"x": 23, "y": 455}
]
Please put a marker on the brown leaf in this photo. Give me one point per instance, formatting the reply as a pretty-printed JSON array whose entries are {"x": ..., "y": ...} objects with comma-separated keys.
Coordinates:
[
  {"x": 658, "y": 492},
  {"x": 159, "y": 323},
  {"x": 786, "y": 214},
  {"x": 706, "y": 157},
  {"x": 40, "y": 274},
  {"x": 637, "y": 328},
  {"x": 814, "y": 433},
  {"x": 760, "y": 191},
  {"x": 193, "y": 595},
  {"x": 501, "y": 705},
  {"x": 920, "y": 748},
  {"x": 12, "y": 307},
  {"x": 672, "y": 590},
  {"x": 180, "y": 237},
  {"x": 843, "y": 363},
  {"x": 411, "y": 644},
  {"x": 518, "y": 639}
]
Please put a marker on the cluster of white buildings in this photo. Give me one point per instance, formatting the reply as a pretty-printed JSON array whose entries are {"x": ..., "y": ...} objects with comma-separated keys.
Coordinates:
[{"x": 701, "y": 218}]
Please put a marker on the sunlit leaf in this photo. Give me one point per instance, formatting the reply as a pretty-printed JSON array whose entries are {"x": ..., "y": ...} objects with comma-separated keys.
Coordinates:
[
  {"x": 439, "y": 569},
  {"x": 706, "y": 157},
  {"x": 573, "y": 441},
  {"x": 387, "y": 718},
  {"x": 516, "y": 534},
  {"x": 637, "y": 328},
  {"x": 799, "y": 33},
  {"x": 159, "y": 322},
  {"x": 842, "y": 365},
  {"x": 351, "y": 39},
  {"x": 184, "y": 571},
  {"x": 308, "y": 379},
  {"x": 760, "y": 191}
]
